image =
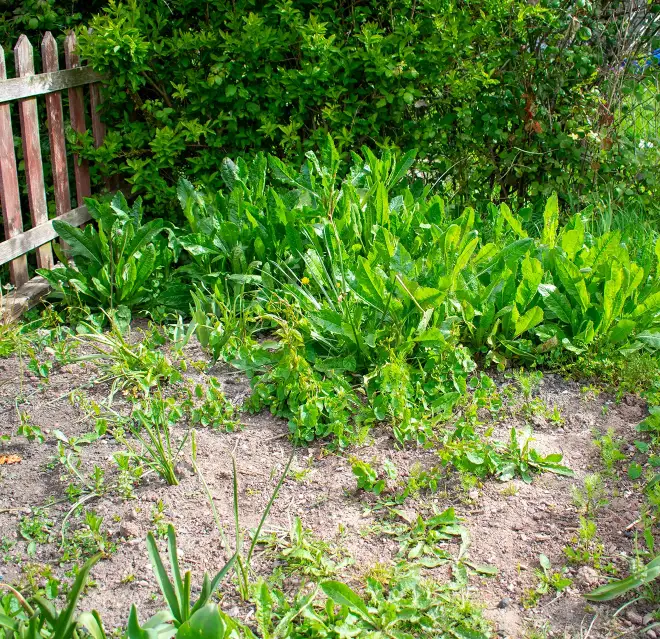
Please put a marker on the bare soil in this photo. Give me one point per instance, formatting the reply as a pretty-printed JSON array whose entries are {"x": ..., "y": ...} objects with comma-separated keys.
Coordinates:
[{"x": 508, "y": 528}]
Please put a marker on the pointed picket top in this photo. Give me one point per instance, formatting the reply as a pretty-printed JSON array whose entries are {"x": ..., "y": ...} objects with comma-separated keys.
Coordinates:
[
  {"x": 71, "y": 57},
  {"x": 49, "y": 57},
  {"x": 24, "y": 56}
]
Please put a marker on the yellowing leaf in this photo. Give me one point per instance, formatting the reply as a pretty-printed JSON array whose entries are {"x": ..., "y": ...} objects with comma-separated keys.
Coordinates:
[{"x": 550, "y": 221}]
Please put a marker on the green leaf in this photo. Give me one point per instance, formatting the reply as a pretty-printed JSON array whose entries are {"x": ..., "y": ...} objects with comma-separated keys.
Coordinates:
[
  {"x": 464, "y": 258},
  {"x": 220, "y": 576},
  {"x": 650, "y": 338},
  {"x": 530, "y": 319},
  {"x": 65, "y": 622},
  {"x": 142, "y": 237},
  {"x": 91, "y": 621},
  {"x": 512, "y": 221},
  {"x": 621, "y": 331},
  {"x": 571, "y": 242},
  {"x": 206, "y": 623},
  {"x": 572, "y": 280},
  {"x": 618, "y": 588},
  {"x": 606, "y": 247},
  {"x": 133, "y": 628},
  {"x": 431, "y": 337},
  {"x": 174, "y": 566},
  {"x": 556, "y": 302},
  {"x": 550, "y": 221},
  {"x": 9, "y": 623},
  {"x": 264, "y": 601},
  {"x": 341, "y": 594},
  {"x": 402, "y": 168},
  {"x": 162, "y": 578},
  {"x": 81, "y": 244},
  {"x": 510, "y": 254},
  {"x": 611, "y": 298},
  {"x": 143, "y": 269}
]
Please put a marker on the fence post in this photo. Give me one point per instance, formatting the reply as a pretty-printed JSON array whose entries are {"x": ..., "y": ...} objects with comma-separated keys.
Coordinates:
[
  {"x": 9, "y": 197},
  {"x": 56, "y": 130},
  {"x": 34, "y": 170},
  {"x": 77, "y": 109}
]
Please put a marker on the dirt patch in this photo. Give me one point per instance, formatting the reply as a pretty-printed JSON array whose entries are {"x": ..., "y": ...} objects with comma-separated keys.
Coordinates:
[{"x": 510, "y": 524}]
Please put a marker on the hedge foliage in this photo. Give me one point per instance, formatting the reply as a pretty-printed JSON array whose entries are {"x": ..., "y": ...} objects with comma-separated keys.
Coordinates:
[{"x": 501, "y": 97}]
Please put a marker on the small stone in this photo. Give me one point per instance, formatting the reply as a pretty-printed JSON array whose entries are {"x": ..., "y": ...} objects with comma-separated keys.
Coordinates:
[
  {"x": 517, "y": 525},
  {"x": 504, "y": 603},
  {"x": 542, "y": 537},
  {"x": 634, "y": 617},
  {"x": 129, "y": 530},
  {"x": 538, "y": 421},
  {"x": 587, "y": 576},
  {"x": 648, "y": 619},
  {"x": 584, "y": 419},
  {"x": 186, "y": 467},
  {"x": 473, "y": 494},
  {"x": 652, "y": 634}
]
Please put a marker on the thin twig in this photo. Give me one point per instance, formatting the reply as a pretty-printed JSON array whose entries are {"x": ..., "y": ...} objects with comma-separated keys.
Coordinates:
[{"x": 591, "y": 625}]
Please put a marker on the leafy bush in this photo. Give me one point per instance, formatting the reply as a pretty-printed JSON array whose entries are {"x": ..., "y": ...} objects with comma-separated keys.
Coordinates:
[
  {"x": 35, "y": 17},
  {"x": 120, "y": 264},
  {"x": 369, "y": 277},
  {"x": 508, "y": 95}
]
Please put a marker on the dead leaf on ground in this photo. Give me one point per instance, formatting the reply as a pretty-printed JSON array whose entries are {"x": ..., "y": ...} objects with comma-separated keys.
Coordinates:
[{"x": 10, "y": 459}]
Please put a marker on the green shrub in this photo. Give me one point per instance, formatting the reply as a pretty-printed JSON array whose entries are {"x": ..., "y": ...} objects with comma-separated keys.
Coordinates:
[
  {"x": 503, "y": 96},
  {"x": 120, "y": 265},
  {"x": 369, "y": 288}
]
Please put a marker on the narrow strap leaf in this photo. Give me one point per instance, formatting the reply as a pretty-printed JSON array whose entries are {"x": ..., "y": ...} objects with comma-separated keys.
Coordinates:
[{"x": 162, "y": 578}]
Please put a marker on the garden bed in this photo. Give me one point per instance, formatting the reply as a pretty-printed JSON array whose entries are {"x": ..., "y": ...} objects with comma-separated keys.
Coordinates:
[{"x": 510, "y": 524}]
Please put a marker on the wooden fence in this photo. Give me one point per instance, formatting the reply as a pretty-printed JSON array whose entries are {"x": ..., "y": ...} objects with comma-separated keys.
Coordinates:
[{"x": 23, "y": 89}]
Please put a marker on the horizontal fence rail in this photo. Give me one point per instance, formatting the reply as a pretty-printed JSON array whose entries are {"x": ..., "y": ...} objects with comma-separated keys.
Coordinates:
[
  {"x": 24, "y": 89},
  {"x": 44, "y": 83}
]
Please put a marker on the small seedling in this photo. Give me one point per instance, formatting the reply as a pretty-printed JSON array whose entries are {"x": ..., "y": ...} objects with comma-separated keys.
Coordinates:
[
  {"x": 528, "y": 381},
  {"x": 548, "y": 579},
  {"x": 215, "y": 410},
  {"x": 27, "y": 429},
  {"x": 304, "y": 554},
  {"x": 158, "y": 520},
  {"x": 153, "y": 430},
  {"x": 39, "y": 368},
  {"x": 510, "y": 490},
  {"x": 591, "y": 498},
  {"x": 586, "y": 548},
  {"x": 130, "y": 473},
  {"x": 610, "y": 449},
  {"x": 87, "y": 540},
  {"x": 369, "y": 479},
  {"x": 35, "y": 529},
  {"x": 555, "y": 416}
]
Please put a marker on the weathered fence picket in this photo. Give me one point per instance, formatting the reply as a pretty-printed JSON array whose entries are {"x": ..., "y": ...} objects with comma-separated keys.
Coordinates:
[
  {"x": 24, "y": 89},
  {"x": 9, "y": 195},
  {"x": 55, "y": 116},
  {"x": 34, "y": 170},
  {"x": 77, "y": 110}
]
